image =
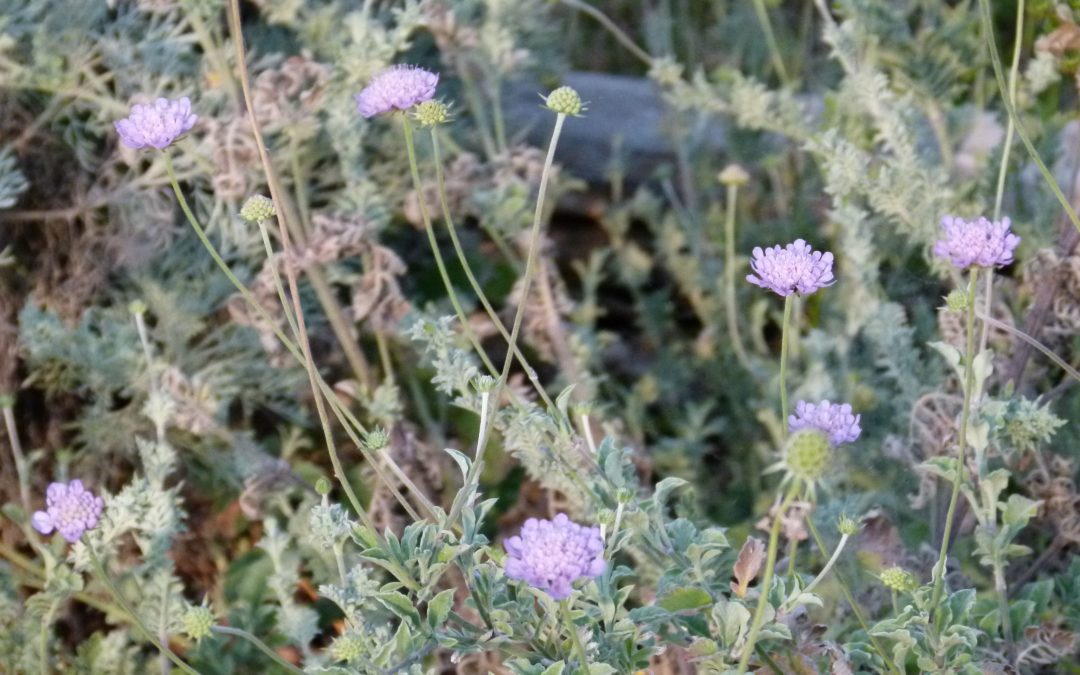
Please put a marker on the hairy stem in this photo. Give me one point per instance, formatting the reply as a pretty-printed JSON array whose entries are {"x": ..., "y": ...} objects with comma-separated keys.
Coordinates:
[
  {"x": 579, "y": 650},
  {"x": 107, "y": 580},
  {"x": 766, "y": 579},
  {"x": 729, "y": 278},
  {"x": 969, "y": 385},
  {"x": 259, "y": 644},
  {"x": 784, "y": 340}
]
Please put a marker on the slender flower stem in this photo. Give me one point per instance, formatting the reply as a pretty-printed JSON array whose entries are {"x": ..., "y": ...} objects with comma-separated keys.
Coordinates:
[
  {"x": 824, "y": 571},
  {"x": 164, "y": 649},
  {"x": 609, "y": 25},
  {"x": 282, "y": 297},
  {"x": 1001, "y": 588},
  {"x": 259, "y": 644},
  {"x": 729, "y": 278},
  {"x": 530, "y": 263},
  {"x": 339, "y": 471},
  {"x": 969, "y": 380},
  {"x": 845, "y": 588},
  {"x": 995, "y": 60},
  {"x": 770, "y": 40},
  {"x": 766, "y": 579},
  {"x": 410, "y": 148},
  {"x": 464, "y": 261},
  {"x": 586, "y": 428},
  {"x": 1003, "y": 170},
  {"x": 784, "y": 340},
  {"x": 579, "y": 650},
  {"x": 7, "y": 402}
]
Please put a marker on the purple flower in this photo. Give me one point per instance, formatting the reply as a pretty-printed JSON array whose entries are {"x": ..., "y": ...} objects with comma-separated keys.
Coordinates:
[
  {"x": 552, "y": 554},
  {"x": 833, "y": 419},
  {"x": 156, "y": 125},
  {"x": 976, "y": 243},
  {"x": 795, "y": 268},
  {"x": 396, "y": 88},
  {"x": 70, "y": 509}
]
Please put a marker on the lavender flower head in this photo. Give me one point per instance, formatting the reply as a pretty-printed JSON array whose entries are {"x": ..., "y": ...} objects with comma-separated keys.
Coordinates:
[
  {"x": 797, "y": 268},
  {"x": 552, "y": 554},
  {"x": 976, "y": 243},
  {"x": 835, "y": 420},
  {"x": 156, "y": 125},
  {"x": 396, "y": 88},
  {"x": 70, "y": 509}
]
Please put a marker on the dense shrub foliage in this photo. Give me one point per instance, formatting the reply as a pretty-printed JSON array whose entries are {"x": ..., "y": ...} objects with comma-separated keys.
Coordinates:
[{"x": 328, "y": 346}]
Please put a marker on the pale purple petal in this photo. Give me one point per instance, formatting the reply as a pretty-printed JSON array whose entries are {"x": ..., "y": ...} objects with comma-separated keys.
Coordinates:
[
  {"x": 71, "y": 510},
  {"x": 796, "y": 268},
  {"x": 551, "y": 554},
  {"x": 976, "y": 243},
  {"x": 42, "y": 522},
  {"x": 157, "y": 125},
  {"x": 397, "y": 88},
  {"x": 833, "y": 419}
]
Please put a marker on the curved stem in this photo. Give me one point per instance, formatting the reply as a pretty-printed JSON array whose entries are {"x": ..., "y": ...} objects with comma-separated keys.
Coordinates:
[
  {"x": 1001, "y": 588},
  {"x": 610, "y": 26},
  {"x": 259, "y": 644},
  {"x": 969, "y": 379},
  {"x": 579, "y": 650},
  {"x": 845, "y": 588},
  {"x": 784, "y": 340},
  {"x": 410, "y": 148},
  {"x": 766, "y": 579},
  {"x": 530, "y": 263},
  {"x": 825, "y": 570},
  {"x": 463, "y": 260},
  {"x": 770, "y": 40},
  {"x": 729, "y": 278},
  {"x": 96, "y": 562},
  {"x": 995, "y": 60}
]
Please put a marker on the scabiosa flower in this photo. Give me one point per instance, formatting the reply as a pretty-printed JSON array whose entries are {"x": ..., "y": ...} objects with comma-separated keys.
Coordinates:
[
  {"x": 976, "y": 243},
  {"x": 552, "y": 554},
  {"x": 70, "y": 509},
  {"x": 833, "y": 419},
  {"x": 797, "y": 268},
  {"x": 396, "y": 88},
  {"x": 156, "y": 125}
]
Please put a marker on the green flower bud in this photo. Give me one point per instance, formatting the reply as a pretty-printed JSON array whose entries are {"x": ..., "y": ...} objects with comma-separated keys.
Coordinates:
[
  {"x": 377, "y": 439},
  {"x": 322, "y": 486},
  {"x": 484, "y": 383},
  {"x": 807, "y": 454},
  {"x": 197, "y": 622},
  {"x": 257, "y": 209},
  {"x": 898, "y": 579},
  {"x": 137, "y": 307},
  {"x": 564, "y": 101},
  {"x": 958, "y": 301},
  {"x": 431, "y": 113},
  {"x": 605, "y": 517},
  {"x": 347, "y": 648},
  {"x": 847, "y": 526},
  {"x": 625, "y": 495},
  {"x": 733, "y": 174}
]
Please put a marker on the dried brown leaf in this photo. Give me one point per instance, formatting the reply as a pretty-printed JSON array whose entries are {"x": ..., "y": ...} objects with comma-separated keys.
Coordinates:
[{"x": 747, "y": 566}]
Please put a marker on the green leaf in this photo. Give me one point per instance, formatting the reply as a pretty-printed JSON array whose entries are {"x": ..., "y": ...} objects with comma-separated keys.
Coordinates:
[
  {"x": 601, "y": 669},
  {"x": 556, "y": 668},
  {"x": 461, "y": 459},
  {"x": 562, "y": 401},
  {"x": 439, "y": 608},
  {"x": 665, "y": 487},
  {"x": 400, "y": 605},
  {"x": 1019, "y": 510},
  {"x": 685, "y": 599}
]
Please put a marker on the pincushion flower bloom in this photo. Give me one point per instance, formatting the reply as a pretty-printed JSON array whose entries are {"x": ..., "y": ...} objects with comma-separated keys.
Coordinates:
[
  {"x": 70, "y": 509},
  {"x": 796, "y": 268},
  {"x": 156, "y": 125},
  {"x": 551, "y": 554},
  {"x": 397, "y": 88},
  {"x": 835, "y": 420},
  {"x": 976, "y": 243}
]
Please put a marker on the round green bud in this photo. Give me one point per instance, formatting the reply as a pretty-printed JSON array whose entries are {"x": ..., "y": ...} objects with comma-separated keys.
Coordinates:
[
  {"x": 322, "y": 486},
  {"x": 625, "y": 495},
  {"x": 431, "y": 113},
  {"x": 564, "y": 101},
  {"x": 347, "y": 648},
  {"x": 733, "y": 174},
  {"x": 807, "y": 454},
  {"x": 898, "y": 579},
  {"x": 605, "y": 517},
  {"x": 958, "y": 301},
  {"x": 847, "y": 526},
  {"x": 197, "y": 622},
  {"x": 137, "y": 307},
  {"x": 377, "y": 439},
  {"x": 257, "y": 209},
  {"x": 485, "y": 383}
]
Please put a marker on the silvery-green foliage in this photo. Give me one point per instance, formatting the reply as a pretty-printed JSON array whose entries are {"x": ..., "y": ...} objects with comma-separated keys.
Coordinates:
[
  {"x": 12, "y": 181},
  {"x": 941, "y": 639}
]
